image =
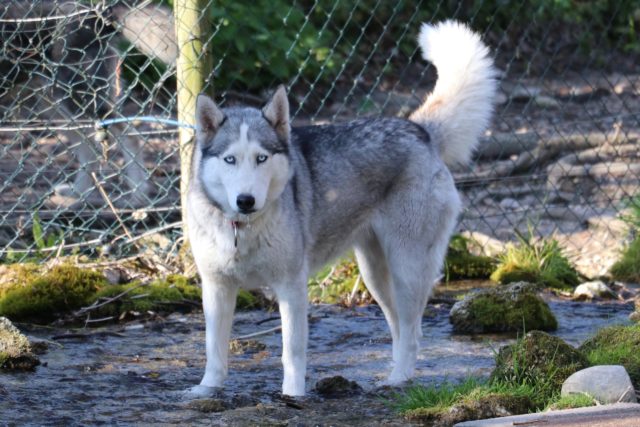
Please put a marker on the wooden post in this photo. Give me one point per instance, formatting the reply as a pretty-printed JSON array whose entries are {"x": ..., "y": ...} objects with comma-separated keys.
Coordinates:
[{"x": 193, "y": 68}]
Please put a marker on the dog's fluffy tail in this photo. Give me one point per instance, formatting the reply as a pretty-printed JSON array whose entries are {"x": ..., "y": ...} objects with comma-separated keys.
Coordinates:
[{"x": 460, "y": 106}]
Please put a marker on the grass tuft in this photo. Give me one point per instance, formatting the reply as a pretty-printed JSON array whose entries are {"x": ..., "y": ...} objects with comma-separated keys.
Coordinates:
[
  {"x": 578, "y": 400},
  {"x": 616, "y": 345},
  {"x": 539, "y": 262},
  {"x": 460, "y": 263}
]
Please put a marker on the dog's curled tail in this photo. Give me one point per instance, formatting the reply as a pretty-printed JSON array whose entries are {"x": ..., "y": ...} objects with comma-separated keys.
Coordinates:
[{"x": 460, "y": 106}]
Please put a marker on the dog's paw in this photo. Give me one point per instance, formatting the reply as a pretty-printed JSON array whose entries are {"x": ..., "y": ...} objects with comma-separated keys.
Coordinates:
[
  {"x": 396, "y": 379},
  {"x": 201, "y": 392}
]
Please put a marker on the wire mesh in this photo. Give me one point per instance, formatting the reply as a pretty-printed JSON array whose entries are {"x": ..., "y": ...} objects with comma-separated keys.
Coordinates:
[{"x": 561, "y": 157}]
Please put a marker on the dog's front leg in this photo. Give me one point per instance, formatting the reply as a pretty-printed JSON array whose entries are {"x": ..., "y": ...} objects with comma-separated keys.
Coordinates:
[
  {"x": 219, "y": 303},
  {"x": 293, "y": 305}
]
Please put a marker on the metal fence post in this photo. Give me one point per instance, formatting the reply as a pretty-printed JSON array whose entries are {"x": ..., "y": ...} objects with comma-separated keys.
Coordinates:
[{"x": 193, "y": 67}]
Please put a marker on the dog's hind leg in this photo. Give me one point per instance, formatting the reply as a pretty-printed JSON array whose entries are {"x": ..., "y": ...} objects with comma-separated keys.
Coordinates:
[
  {"x": 415, "y": 253},
  {"x": 375, "y": 273},
  {"x": 218, "y": 302}
]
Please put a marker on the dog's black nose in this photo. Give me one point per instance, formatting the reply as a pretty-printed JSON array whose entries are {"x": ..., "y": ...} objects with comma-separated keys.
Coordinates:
[{"x": 245, "y": 203}]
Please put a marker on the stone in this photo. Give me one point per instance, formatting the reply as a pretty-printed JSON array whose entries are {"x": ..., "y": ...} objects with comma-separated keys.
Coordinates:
[
  {"x": 545, "y": 101},
  {"x": 338, "y": 386},
  {"x": 15, "y": 349},
  {"x": 239, "y": 347},
  {"x": 509, "y": 308},
  {"x": 593, "y": 290},
  {"x": 605, "y": 383},
  {"x": 510, "y": 204},
  {"x": 208, "y": 406}
]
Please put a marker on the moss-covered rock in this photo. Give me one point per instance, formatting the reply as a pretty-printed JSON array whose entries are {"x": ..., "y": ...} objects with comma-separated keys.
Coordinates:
[
  {"x": 538, "y": 359},
  {"x": 460, "y": 263},
  {"x": 487, "y": 406},
  {"x": 336, "y": 387},
  {"x": 44, "y": 297},
  {"x": 15, "y": 349},
  {"x": 616, "y": 345},
  {"x": 513, "y": 308}
]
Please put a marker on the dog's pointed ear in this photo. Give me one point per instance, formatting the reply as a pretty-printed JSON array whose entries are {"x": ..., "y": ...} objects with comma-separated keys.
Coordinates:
[
  {"x": 276, "y": 112},
  {"x": 209, "y": 117}
]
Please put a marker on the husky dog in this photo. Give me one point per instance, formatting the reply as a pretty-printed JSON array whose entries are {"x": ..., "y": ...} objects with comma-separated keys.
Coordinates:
[{"x": 268, "y": 204}]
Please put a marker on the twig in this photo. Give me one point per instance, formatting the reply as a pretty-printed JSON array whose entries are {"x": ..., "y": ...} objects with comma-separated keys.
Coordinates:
[
  {"x": 149, "y": 233},
  {"x": 48, "y": 18},
  {"x": 113, "y": 209},
  {"x": 102, "y": 319},
  {"x": 109, "y": 300},
  {"x": 323, "y": 282},
  {"x": 85, "y": 336},
  {"x": 268, "y": 319},
  {"x": 53, "y": 248},
  {"x": 354, "y": 291},
  {"x": 257, "y": 334},
  {"x": 629, "y": 389}
]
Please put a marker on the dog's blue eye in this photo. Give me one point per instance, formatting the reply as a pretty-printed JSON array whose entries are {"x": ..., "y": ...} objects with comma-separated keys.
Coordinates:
[
  {"x": 230, "y": 160},
  {"x": 261, "y": 158}
]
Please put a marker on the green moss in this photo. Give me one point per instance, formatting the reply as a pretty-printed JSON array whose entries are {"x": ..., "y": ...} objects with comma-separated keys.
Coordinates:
[
  {"x": 540, "y": 360},
  {"x": 627, "y": 268},
  {"x": 616, "y": 345},
  {"x": 536, "y": 262},
  {"x": 42, "y": 298},
  {"x": 159, "y": 296},
  {"x": 460, "y": 263},
  {"x": 502, "y": 310},
  {"x": 12, "y": 275},
  {"x": 578, "y": 400}
]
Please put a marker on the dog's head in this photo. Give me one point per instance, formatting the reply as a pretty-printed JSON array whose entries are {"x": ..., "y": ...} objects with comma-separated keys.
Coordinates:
[{"x": 244, "y": 154}]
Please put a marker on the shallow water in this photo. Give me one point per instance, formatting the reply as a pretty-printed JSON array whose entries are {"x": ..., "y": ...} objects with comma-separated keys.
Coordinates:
[{"x": 123, "y": 375}]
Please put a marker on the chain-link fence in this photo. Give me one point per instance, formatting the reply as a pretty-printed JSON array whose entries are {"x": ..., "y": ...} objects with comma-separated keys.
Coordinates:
[{"x": 89, "y": 145}]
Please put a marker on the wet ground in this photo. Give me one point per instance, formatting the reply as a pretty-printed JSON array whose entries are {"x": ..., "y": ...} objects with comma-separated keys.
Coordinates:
[{"x": 135, "y": 374}]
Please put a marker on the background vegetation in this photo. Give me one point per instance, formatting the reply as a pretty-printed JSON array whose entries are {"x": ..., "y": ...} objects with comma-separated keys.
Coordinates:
[{"x": 320, "y": 42}]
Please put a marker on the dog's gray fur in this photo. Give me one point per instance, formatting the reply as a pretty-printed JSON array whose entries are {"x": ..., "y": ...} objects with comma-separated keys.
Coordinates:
[{"x": 378, "y": 185}]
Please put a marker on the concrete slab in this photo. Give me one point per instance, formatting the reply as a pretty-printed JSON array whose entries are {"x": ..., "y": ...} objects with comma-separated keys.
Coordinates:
[{"x": 616, "y": 415}]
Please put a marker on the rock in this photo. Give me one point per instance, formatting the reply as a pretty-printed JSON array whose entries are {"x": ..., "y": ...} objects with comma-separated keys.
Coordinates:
[
  {"x": 489, "y": 406},
  {"x": 238, "y": 347},
  {"x": 503, "y": 309},
  {"x": 481, "y": 244},
  {"x": 593, "y": 290},
  {"x": 338, "y": 386},
  {"x": 510, "y": 204},
  {"x": 208, "y": 405},
  {"x": 538, "y": 357},
  {"x": 545, "y": 101},
  {"x": 15, "y": 349},
  {"x": 605, "y": 383}
]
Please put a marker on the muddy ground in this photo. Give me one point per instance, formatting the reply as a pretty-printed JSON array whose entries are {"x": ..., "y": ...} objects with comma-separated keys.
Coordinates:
[{"x": 136, "y": 373}]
